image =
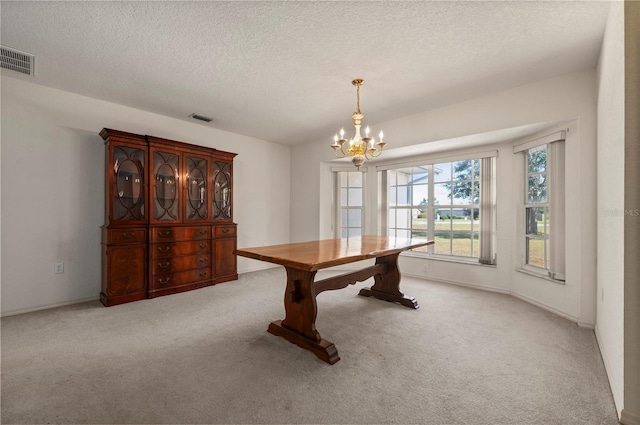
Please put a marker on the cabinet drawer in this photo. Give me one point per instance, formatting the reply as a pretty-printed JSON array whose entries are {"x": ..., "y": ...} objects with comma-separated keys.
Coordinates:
[
  {"x": 170, "y": 234},
  {"x": 176, "y": 264},
  {"x": 224, "y": 231},
  {"x": 172, "y": 249},
  {"x": 126, "y": 236},
  {"x": 170, "y": 280}
]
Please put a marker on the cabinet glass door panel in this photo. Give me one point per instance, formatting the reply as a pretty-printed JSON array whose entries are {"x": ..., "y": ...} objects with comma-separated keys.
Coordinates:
[
  {"x": 197, "y": 195},
  {"x": 166, "y": 197},
  {"x": 128, "y": 193},
  {"x": 221, "y": 190}
]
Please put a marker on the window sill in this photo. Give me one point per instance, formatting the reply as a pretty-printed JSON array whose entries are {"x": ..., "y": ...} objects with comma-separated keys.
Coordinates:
[
  {"x": 540, "y": 275},
  {"x": 446, "y": 259}
]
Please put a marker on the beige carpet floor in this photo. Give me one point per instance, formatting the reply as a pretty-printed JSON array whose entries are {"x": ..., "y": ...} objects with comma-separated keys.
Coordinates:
[{"x": 465, "y": 357}]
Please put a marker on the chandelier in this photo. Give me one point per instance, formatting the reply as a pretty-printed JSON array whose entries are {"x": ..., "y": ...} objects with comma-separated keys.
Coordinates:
[{"x": 358, "y": 148}]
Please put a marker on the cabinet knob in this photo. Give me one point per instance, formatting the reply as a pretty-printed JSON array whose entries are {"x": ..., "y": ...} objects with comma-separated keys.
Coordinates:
[
  {"x": 164, "y": 281},
  {"x": 203, "y": 245},
  {"x": 164, "y": 265},
  {"x": 203, "y": 273},
  {"x": 126, "y": 235},
  {"x": 202, "y": 232},
  {"x": 203, "y": 259},
  {"x": 165, "y": 233},
  {"x": 225, "y": 230},
  {"x": 164, "y": 248}
]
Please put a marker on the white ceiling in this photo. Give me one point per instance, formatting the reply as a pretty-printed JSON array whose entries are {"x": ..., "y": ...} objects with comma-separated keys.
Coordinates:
[{"x": 282, "y": 71}]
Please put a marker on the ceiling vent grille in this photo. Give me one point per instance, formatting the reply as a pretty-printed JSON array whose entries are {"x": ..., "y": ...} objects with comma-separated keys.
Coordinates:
[
  {"x": 16, "y": 60},
  {"x": 201, "y": 118}
]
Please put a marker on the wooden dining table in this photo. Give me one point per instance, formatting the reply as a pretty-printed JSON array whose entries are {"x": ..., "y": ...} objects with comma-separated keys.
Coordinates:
[{"x": 303, "y": 260}]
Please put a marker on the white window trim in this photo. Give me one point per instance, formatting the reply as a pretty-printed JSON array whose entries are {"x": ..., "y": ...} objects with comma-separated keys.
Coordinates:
[
  {"x": 559, "y": 136},
  {"x": 431, "y": 160}
]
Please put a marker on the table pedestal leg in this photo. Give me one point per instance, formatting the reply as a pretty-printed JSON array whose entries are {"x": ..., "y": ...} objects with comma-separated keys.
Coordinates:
[
  {"x": 387, "y": 285},
  {"x": 299, "y": 324}
]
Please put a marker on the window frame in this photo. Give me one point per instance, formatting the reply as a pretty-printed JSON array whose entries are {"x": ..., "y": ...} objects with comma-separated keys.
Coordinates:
[
  {"x": 475, "y": 231},
  {"x": 339, "y": 207},
  {"x": 554, "y": 239},
  {"x": 529, "y": 205}
]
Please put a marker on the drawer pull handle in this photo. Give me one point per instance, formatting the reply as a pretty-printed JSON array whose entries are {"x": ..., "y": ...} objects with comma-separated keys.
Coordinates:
[
  {"x": 128, "y": 235},
  {"x": 164, "y": 248},
  {"x": 225, "y": 230},
  {"x": 203, "y": 259},
  {"x": 203, "y": 273},
  {"x": 203, "y": 245},
  {"x": 166, "y": 233},
  {"x": 164, "y": 281},
  {"x": 164, "y": 265},
  {"x": 202, "y": 232}
]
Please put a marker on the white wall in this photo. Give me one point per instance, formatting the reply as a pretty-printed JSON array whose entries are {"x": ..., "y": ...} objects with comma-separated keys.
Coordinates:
[
  {"x": 610, "y": 192},
  {"x": 53, "y": 189},
  {"x": 571, "y": 98},
  {"x": 630, "y": 414},
  {"x": 576, "y": 299}
]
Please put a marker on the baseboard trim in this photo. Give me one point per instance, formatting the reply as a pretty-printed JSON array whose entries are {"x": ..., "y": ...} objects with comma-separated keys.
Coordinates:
[
  {"x": 549, "y": 309},
  {"x": 616, "y": 391},
  {"x": 454, "y": 282},
  {"x": 526, "y": 299},
  {"x": 586, "y": 325},
  {"x": 47, "y": 306},
  {"x": 628, "y": 418},
  {"x": 259, "y": 268},
  {"x": 94, "y": 298}
]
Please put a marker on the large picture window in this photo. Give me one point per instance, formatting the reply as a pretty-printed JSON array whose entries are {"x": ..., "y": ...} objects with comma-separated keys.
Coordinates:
[{"x": 442, "y": 201}]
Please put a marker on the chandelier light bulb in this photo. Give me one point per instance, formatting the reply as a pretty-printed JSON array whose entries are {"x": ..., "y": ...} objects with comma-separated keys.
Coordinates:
[
  {"x": 342, "y": 133},
  {"x": 381, "y": 135},
  {"x": 366, "y": 131}
]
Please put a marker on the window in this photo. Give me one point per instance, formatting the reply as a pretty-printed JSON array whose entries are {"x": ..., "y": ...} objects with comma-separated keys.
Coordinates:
[
  {"x": 443, "y": 201},
  {"x": 408, "y": 201},
  {"x": 537, "y": 209},
  {"x": 543, "y": 206},
  {"x": 456, "y": 208},
  {"x": 350, "y": 204}
]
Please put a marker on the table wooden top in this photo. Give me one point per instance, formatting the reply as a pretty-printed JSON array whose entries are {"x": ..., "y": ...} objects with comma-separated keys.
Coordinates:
[{"x": 316, "y": 255}]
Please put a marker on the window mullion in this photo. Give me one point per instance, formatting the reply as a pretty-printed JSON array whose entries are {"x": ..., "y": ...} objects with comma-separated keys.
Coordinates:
[{"x": 432, "y": 211}]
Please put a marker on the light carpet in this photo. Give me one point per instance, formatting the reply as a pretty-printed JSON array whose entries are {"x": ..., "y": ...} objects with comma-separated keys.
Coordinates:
[{"x": 465, "y": 357}]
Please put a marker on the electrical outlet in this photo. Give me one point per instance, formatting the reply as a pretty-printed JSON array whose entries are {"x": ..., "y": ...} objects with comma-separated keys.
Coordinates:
[{"x": 58, "y": 268}]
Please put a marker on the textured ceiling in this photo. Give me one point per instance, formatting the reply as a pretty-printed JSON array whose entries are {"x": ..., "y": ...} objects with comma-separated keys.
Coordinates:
[{"x": 282, "y": 71}]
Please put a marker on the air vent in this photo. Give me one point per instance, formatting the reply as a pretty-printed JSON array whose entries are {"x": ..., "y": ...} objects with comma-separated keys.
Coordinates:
[
  {"x": 201, "y": 118},
  {"x": 16, "y": 60}
]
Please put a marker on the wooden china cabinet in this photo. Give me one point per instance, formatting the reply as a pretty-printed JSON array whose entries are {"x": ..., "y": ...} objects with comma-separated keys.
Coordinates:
[
  {"x": 124, "y": 235},
  {"x": 169, "y": 220}
]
